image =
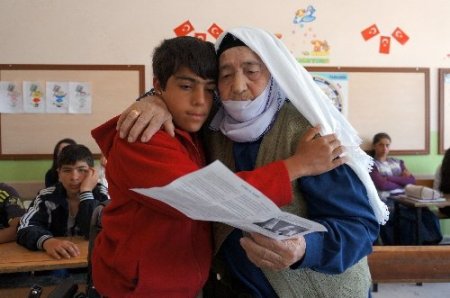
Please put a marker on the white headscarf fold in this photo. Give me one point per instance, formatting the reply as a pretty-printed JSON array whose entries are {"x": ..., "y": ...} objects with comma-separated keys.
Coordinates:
[{"x": 298, "y": 85}]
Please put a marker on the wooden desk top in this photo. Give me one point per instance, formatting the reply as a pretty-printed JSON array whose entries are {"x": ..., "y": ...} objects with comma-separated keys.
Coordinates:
[
  {"x": 412, "y": 203},
  {"x": 16, "y": 258}
]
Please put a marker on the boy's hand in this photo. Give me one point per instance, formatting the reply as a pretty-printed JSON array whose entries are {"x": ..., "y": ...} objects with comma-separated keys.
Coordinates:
[
  {"x": 61, "y": 248},
  {"x": 90, "y": 181}
]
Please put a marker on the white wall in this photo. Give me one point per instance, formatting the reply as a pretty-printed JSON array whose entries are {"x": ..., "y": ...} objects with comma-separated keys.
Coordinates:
[{"x": 125, "y": 32}]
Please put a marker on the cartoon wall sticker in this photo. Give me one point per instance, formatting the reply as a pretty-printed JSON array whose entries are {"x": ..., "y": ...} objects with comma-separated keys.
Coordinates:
[
  {"x": 312, "y": 47},
  {"x": 304, "y": 15}
]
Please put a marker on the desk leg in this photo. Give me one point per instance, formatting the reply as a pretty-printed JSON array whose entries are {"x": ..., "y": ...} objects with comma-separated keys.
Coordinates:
[
  {"x": 418, "y": 222},
  {"x": 396, "y": 223}
]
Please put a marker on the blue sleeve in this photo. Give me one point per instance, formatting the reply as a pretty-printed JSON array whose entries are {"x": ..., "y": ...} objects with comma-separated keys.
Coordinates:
[{"x": 338, "y": 200}]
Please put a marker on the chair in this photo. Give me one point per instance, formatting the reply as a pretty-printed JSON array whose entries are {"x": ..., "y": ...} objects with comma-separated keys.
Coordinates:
[{"x": 69, "y": 288}]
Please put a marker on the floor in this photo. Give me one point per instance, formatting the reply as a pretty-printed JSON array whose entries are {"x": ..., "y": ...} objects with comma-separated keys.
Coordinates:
[{"x": 428, "y": 290}]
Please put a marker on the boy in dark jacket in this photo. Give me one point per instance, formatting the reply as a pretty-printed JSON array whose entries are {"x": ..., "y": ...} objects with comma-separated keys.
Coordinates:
[{"x": 64, "y": 209}]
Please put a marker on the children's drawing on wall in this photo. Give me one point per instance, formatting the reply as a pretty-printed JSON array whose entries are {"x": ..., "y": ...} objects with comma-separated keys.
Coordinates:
[
  {"x": 335, "y": 86},
  {"x": 56, "y": 97},
  {"x": 385, "y": 41},
  {"x": 310, "y": 46},
  {"x": 186, "y": 28},
  {"x": 33, "y": 97},
  {"x": 80, "y": 98},
  {"x": 10, "y": 97}
]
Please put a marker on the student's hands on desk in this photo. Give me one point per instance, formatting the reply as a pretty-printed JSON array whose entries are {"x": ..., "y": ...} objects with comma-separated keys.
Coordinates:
[{"x": 59, "y": 249}]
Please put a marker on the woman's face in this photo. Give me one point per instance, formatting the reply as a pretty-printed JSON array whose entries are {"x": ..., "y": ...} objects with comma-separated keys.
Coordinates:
[
  {"x": 242, "y": 74},
  {"x": 382, "y": 148}
]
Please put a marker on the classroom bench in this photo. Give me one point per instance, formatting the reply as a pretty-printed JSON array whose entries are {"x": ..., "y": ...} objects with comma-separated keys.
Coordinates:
[{"x": 415, "y": 264}]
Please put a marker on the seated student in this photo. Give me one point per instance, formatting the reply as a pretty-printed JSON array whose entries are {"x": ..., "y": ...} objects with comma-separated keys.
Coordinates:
[
  {"x": 51, "y": 177},
  {"x": 11, "y": 209},
  {"x": 146, "y": 248},
  {"x": 64, "y": 209},
  {"x": 390, "y": 177},
  {"x": 442, "y": 179}
]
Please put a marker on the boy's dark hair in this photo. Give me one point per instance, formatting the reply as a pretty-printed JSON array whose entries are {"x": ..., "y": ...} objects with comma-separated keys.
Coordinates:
[
  {"x": 72, "y": 153},
  {"x": 196, "y": 54},
  {"x": 55, "y": 150}
]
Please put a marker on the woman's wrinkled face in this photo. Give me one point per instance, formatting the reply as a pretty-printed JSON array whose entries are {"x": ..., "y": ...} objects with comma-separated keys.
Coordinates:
[{"x": 242, "y": 74}]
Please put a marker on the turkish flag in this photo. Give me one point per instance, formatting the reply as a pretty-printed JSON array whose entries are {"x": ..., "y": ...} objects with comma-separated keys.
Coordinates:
[
  {"x": 184, "y": 29},
  {"x": 370, "y": 32},
  {"x": 385, "y": 44},
  {"x": 201, "y": 36},
  {"x": 215, "y": 30},
  {"x": 400, "y": 35}
]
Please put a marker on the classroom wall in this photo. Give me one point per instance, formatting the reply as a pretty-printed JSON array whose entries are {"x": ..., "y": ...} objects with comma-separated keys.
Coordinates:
[{"x": 125, "y": 32}]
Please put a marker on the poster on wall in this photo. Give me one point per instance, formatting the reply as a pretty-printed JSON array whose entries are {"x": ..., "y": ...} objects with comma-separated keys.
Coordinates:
[
  {"x": 80, "y": 101},
  {"x": 335, "y": 86},
  {"x": 57, "y": 100},
  {"x": 33, "y": 97},
  {"x": 10, "y": 97}
]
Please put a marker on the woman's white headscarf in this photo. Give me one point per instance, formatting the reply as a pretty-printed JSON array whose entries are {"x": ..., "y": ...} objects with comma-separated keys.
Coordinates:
[{"x": 298, "y": 85}]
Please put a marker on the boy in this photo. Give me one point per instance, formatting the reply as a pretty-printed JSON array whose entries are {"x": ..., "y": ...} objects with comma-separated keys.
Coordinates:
[
  {"x": 11, "y": 208},
  {"x": 147, "y": 248},
  {"x": 64, "y": 209}
]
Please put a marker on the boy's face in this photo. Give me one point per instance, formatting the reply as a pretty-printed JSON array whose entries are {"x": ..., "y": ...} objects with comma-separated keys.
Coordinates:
[
  {"x": 71, "y": 176},
  {"x": 188, "y": 97}
]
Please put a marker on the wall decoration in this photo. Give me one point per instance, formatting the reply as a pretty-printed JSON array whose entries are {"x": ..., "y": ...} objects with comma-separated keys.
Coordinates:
[
  {"x": 33, "y": 97},
  {"x": 313, "y": 48},
  {"x": 80, "y": 99},
  {"x": 56, "y": 97},
  {"x": 385, "y": 41},
  {"x": 10, "y": 97},
  {"x": 335, "y": 86},
  {"x": 186, "y": 28}
]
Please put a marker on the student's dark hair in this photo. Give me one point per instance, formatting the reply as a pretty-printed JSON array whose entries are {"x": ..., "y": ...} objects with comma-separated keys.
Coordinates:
[
  {"x": 445, "y": 173},
  {"x": 376, "y": 138},
  {"x": 191, "y": 52},
  {"x": 55, "y": 150},
  {"x": 71, "y": 154}
]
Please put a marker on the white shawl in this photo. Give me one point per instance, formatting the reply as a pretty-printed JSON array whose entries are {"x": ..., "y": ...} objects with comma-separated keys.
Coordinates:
[{"x": 311, "y": 101}]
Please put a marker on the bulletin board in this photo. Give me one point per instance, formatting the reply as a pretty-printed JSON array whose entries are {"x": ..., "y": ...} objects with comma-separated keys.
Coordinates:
[
  {"x": 444, "y": 109},
  {"x": 391, "y": 100},
  {"x": 114, "y": 87}
]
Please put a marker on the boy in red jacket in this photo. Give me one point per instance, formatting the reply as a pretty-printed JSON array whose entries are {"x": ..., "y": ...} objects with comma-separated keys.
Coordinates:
[{"x": 147, "y": 248}]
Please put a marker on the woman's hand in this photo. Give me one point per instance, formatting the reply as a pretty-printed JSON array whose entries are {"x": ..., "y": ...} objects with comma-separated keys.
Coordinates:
[{"x": 145, "y": 117}]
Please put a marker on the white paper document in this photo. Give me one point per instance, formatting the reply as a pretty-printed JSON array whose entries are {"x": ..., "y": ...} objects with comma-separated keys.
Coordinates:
[{"x": 214, "y": 193}]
